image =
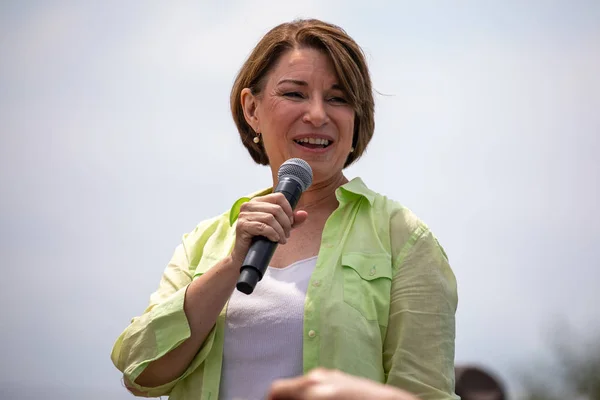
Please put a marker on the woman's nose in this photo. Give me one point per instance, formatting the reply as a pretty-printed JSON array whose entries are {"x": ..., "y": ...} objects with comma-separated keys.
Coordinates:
[{"x": 316, "y": 113}]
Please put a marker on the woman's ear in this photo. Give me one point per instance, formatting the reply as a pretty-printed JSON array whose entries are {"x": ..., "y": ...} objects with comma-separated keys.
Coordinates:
[{"x": 250, "y": 105}]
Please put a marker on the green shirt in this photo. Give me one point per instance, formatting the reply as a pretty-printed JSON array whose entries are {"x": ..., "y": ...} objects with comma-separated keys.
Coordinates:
[{"x": 380, "y": 304}]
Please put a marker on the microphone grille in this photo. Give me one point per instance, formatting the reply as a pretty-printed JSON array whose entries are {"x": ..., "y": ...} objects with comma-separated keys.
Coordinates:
[{"x": 298, "y": 169}]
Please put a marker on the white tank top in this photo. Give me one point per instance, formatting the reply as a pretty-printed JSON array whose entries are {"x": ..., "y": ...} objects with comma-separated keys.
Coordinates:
[{"x": 263, "y": 332}]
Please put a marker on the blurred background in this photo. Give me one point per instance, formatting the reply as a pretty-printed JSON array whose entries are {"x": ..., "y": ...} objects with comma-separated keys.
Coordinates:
[{"x": 116, "y": 139}]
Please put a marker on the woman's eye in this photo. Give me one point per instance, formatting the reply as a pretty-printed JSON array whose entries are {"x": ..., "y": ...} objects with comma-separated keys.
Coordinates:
[
  {"x": 295, "y": 95},
  {"x": 340, "y": 100}
]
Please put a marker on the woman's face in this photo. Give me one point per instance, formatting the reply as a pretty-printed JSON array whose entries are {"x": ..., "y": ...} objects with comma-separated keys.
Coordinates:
[{"x": 302, "y": 112}]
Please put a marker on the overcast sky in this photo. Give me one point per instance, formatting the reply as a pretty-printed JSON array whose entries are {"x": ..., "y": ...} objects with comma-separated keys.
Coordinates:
[{"x": 116, "y": 139}]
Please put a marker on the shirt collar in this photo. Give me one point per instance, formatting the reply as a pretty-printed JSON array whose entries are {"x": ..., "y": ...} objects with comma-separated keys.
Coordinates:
[
  {"x": 357, "y": 187},
  {"x": 353, "y": 187}
]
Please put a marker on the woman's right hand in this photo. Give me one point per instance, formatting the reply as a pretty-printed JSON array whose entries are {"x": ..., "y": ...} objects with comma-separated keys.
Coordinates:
[{"x": 270, "y": 216}]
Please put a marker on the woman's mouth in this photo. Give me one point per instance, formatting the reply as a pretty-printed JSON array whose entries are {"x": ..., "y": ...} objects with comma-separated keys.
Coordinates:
[{"x": 313, "y": 143}]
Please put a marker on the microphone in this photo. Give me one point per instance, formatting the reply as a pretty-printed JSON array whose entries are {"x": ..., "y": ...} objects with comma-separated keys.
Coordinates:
[{"x": 294, "y": 177}]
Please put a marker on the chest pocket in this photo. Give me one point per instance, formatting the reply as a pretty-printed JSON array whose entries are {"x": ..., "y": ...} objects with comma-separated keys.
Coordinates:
[{"x": 367, "y": 284}]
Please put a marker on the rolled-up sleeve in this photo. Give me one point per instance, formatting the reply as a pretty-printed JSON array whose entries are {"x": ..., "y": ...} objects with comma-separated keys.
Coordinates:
[
  {"x": 419, "y": 345},
  {"x": 161, "y": 328}
]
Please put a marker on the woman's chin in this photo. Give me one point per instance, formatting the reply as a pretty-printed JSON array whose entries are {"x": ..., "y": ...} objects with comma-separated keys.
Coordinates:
[{"x": 323, "y": 165}]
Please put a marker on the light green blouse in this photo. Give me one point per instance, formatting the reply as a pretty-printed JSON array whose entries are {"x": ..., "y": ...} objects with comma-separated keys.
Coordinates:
[{"x": 380, "y": 304}]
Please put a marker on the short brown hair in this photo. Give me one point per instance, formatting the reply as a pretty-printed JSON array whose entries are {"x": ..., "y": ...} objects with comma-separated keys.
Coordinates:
[
  {"x": 348, "y": 60},
  {"x": 476, "y": 383}
]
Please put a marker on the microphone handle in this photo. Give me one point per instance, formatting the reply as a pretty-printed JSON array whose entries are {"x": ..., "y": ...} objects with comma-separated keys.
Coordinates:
[{"x": 262, "y": 249}]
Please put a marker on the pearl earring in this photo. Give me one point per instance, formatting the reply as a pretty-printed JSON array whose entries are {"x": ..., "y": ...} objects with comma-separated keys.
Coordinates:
[
  {"x": 256, "y": 139},
  {"x": 351, "y": 149}
]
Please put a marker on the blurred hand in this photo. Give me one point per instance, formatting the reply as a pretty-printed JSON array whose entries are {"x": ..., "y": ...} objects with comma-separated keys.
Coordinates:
[
  {"x": 270, "y": 216},
  {"x": 324, "y": 384}
]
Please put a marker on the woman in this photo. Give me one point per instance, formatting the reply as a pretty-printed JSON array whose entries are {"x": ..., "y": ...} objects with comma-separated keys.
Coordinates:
[{"x": 357, "y": 284}]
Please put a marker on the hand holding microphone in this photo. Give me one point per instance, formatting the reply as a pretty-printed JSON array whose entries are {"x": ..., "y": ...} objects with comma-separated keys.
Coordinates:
[{"x": 266, "y": 221}]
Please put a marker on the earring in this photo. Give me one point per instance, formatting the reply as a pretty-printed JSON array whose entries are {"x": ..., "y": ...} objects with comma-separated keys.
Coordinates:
[
  {"x": 256, "y": 138},
  {"x": 351, "y": 149}
]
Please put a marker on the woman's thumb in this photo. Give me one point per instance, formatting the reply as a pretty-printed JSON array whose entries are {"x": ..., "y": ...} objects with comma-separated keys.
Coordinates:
[{"x": 299, "y": 217}]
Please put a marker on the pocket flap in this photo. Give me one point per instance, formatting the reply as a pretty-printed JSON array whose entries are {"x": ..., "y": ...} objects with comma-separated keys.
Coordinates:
[{"x": 369, "y": 266}]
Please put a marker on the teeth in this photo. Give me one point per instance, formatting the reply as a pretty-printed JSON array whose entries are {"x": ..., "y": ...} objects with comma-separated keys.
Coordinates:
[{"x": 320, "y": 141}]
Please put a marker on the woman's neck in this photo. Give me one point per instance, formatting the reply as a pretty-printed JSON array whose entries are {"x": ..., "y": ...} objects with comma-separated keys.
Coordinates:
[{"x": 321, "y": 195}]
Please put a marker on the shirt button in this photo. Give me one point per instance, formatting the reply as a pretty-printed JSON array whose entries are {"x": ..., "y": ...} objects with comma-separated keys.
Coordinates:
[
  {"x": 312, "y": 333},
  {"x": 372, "y": 272},
  {"x": 317, "y": 283}
]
